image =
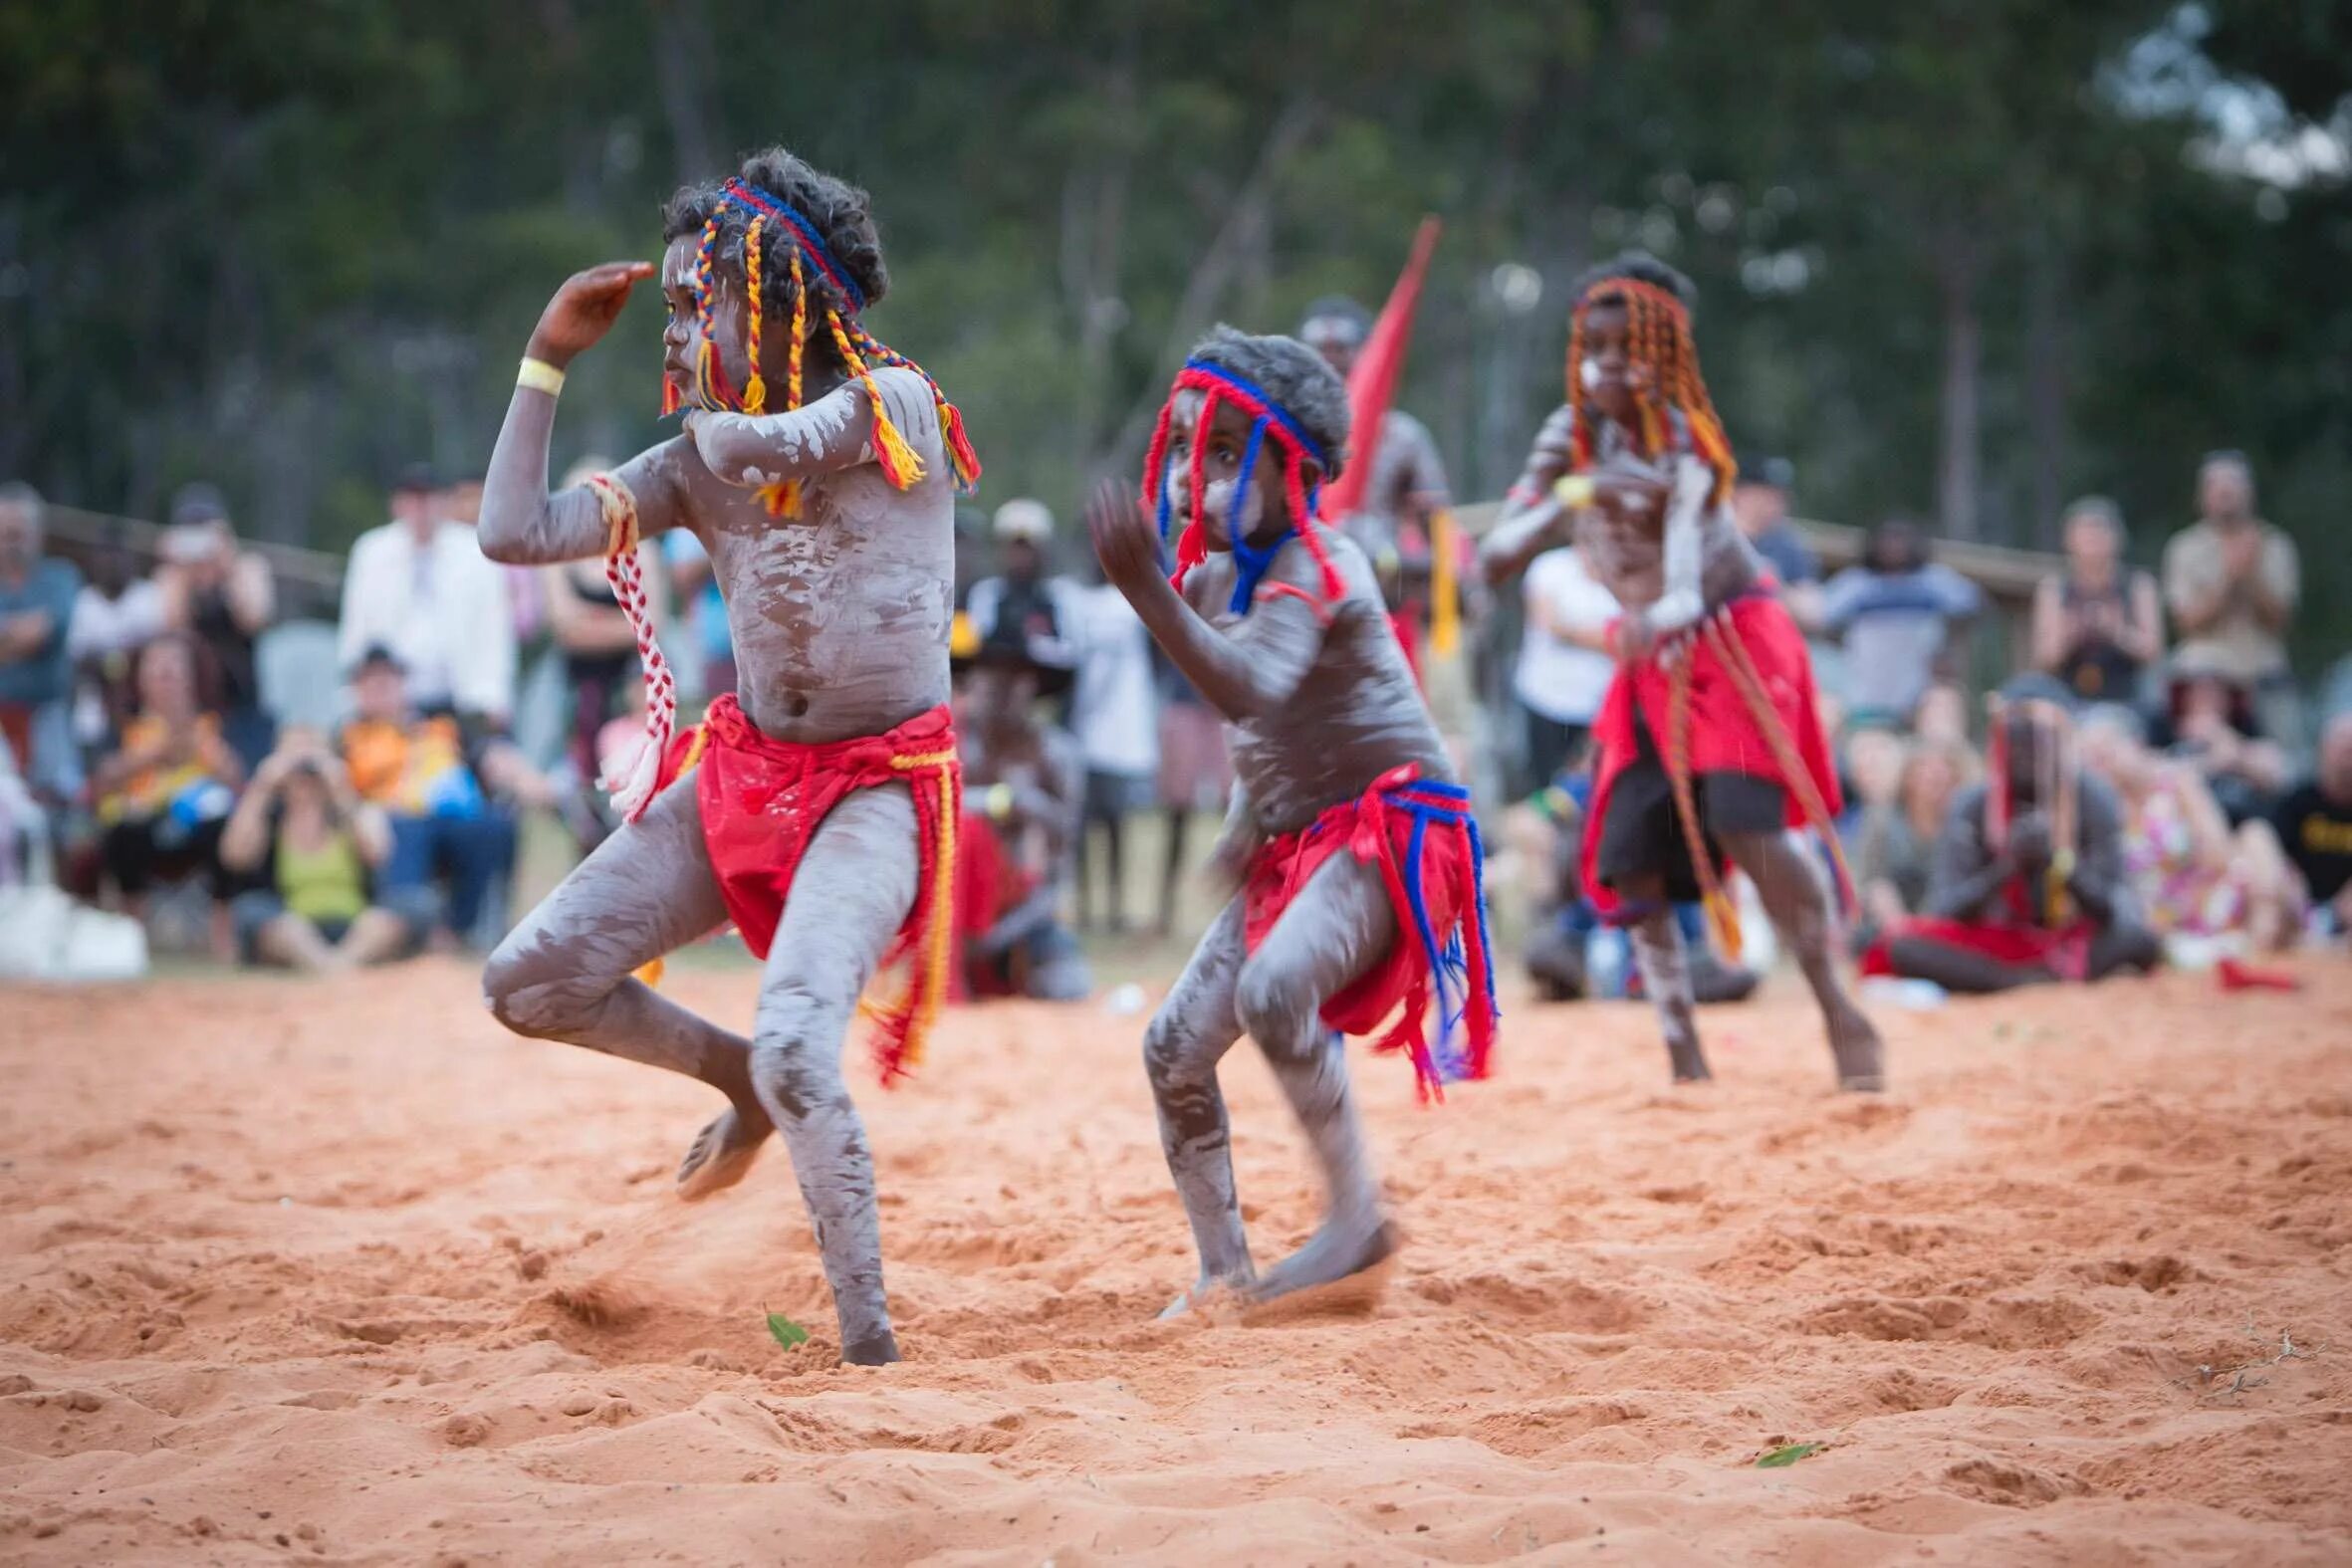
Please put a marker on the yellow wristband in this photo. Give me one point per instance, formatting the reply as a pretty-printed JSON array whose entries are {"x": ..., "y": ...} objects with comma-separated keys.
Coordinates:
[
  {"x": 540, "y": 377},
  {"x": 1575, "y": 490},
  {"x": 999, "y": 801}
]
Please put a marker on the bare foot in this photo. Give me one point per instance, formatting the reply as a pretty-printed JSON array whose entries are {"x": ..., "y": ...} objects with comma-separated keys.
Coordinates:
[
  {"x": 722, "y": 1153},
  {"x": 1334, "y": 1252},
  {"x": 1206, "y": 1289},
  {"x": 1688, "y": 1061},
  {"x": 1861, "y": 1055},
  {"x": 874, "y": 1350}
]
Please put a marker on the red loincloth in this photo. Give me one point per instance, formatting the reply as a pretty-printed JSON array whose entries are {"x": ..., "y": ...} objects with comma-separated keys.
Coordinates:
[
  {"x": 2012, "y": 937},
  {"x": 1724, "y": 734},
  {"x": 1425, "y": 841},
  {"x": 762, "y": 801}
]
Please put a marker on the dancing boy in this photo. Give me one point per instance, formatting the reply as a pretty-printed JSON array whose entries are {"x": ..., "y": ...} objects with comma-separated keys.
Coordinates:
[
  {"x": 819, "y": 814},
  {"x": 1358, "y": 853}
]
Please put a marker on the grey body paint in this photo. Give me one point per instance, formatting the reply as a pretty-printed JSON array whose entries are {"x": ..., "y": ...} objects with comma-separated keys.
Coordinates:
[
  {"x": 1648, "y": 559},
  {"x": 841, "y": 623},
  {"x": 1326, "y": 713}
]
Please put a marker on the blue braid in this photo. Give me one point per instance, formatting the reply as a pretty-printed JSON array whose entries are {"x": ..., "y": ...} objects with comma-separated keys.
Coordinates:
[{"x": 1250, "y": 564}]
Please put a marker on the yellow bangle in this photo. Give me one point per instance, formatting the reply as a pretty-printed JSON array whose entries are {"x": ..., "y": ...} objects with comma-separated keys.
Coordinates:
[
  {"x": 540, "y": 377},
  {"x": 1575, "y": 490}
]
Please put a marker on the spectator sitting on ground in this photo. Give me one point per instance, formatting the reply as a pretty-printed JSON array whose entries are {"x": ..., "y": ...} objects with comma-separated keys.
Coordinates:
[
  {"x": 450, "y": 804},
  {"x": 223, "y": 597},
  {"x": 164, "y": 797},
  {"x": 2215, "y": 726},
  {"x": 1894, "y": 613},
  {"x": 118, "y": 614},
  {"x": 2314, "y": 826},
  {"x": 1893, "y": 845},
  {"x": 2232, "y": 581},
  {"x": 37, "y": 597},
  {"x": 2193, "y": 874},
  {"x": 313, "y": 846},
  {"x": 2097, "y": 625},
  {"x": 1023, "y": 788},
  {"x": 421, "y": 587},
  {"x": 599, "y": 653},
  {"x": 2028, "y": 883}
]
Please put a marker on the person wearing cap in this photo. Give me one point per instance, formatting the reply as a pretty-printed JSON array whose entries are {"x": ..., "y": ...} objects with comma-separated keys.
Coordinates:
[
  {"x": 1408, "y": 486},
  {"x": 420, "y": 586},
  {"x": 223, "y": 597},
  {"x": 1021, "y": 601}
]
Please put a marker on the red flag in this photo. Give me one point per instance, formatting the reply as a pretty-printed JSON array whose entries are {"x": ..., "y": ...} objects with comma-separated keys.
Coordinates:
[{"x": 1371, "y": 385}]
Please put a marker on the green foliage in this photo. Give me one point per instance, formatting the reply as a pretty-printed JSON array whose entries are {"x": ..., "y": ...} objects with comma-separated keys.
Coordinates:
[
  {"x": 1788, "y": 1454},
  {"x": 291, "y": 245},
  {"x": 786, "y": 1332}
]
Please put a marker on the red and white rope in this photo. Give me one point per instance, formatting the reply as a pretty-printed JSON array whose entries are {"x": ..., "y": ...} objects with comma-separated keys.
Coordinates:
[{"x": 634, "y": 775}]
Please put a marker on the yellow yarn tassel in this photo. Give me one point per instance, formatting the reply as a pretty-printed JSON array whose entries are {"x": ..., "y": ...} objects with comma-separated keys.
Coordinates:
[
  {"x": 898, "y": 461},
  {"x": 755, "y": 392},
  {"x": 1445, "y": 610}
]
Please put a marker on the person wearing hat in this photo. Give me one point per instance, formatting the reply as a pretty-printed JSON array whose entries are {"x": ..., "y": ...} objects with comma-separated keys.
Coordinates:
[
  {"x": 1021, "y": 601},
  {"x": 1024, "y": 796},
  {"x": 223, "y": 597},
  {"x": 421, "y": 587}
]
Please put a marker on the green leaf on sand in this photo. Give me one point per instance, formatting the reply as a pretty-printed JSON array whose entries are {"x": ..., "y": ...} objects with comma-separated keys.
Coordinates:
[
  {"x": 784, "y": 1331},
  {"x": 1788, "y": 1454}
]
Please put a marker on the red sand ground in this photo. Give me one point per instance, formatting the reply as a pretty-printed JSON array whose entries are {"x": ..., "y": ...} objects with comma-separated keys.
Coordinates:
[{"x": 282, "y": 1273}]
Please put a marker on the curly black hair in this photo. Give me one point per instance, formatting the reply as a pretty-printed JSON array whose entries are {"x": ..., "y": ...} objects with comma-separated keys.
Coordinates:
[
  {"x": 1293, "y": 375},
  {"x": 1639, "y": 267},
  {"x": 842, "y": 214}
]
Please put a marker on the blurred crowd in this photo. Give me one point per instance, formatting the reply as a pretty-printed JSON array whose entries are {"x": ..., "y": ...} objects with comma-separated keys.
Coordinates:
[{"x": 151, "y": 769}]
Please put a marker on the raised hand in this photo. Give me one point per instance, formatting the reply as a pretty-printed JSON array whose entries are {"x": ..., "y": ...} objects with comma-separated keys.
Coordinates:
[
  {"x": 1629, "y": 489},
  {"x": 583, "y": 310},
  {"x": 1127, "y": 541}
]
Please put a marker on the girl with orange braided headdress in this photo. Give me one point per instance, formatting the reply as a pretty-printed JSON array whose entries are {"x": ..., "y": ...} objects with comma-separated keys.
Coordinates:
[
  {"x": 817, "y": 806},
  {"x": 1707, "y": 746}
]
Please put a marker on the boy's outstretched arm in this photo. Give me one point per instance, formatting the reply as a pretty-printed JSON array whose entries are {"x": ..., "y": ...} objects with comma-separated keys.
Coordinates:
[
  {"x": 1245, "y": 674},
  {"x": 522, "y": 524},
  {"x": 1533, "y": 518},
  {"x": 751, "y": 450}
]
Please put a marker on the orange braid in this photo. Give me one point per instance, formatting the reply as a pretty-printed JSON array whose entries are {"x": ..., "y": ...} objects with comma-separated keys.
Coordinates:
[
  {"x": 1720, "y": 914},
  {"x": 783, "y": 499},
  {"x": 755, "y": 392},
  {"x": 898, "y": 461}
]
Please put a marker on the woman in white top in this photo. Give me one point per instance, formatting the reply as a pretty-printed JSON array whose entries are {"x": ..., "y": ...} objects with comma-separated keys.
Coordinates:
[{"x": 1563, "y": 661}]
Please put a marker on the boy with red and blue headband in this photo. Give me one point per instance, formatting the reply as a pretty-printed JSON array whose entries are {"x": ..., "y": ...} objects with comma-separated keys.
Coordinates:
[
  {"x": 1356, "y": 853},
  {"x": 817, "y": 807}
]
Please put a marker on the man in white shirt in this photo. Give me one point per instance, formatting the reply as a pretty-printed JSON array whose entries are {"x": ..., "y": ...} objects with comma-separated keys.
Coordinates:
[
  {"x": 421, "y": 587},
  {"x": 1114, "y": 712},
  {"x": 1563, "y": 661}
]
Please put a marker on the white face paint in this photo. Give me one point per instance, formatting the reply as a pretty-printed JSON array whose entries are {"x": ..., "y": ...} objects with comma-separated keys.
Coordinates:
[{"x": 1588, "y": 374}]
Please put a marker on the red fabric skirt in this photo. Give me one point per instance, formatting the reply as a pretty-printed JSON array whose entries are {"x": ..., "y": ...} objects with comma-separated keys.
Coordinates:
[
  {"x": 762, "y": 800},
  {"x": 1423, "y": 839},
  {"x": 988, "y": 883},
  {"x": 1725, "y": 735}
]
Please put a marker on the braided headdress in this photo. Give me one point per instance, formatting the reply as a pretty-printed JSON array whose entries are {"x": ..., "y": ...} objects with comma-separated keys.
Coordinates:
[
  {"x": 810, "y": 264},
  {"x": 1658, "y": 326},
  {"x": 1294, "y": 448}
]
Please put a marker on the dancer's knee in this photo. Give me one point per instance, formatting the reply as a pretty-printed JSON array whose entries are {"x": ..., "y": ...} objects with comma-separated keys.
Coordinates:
[
  {"x": 1276, "y": 1007},
  {"x": 531, "y": 987}
]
